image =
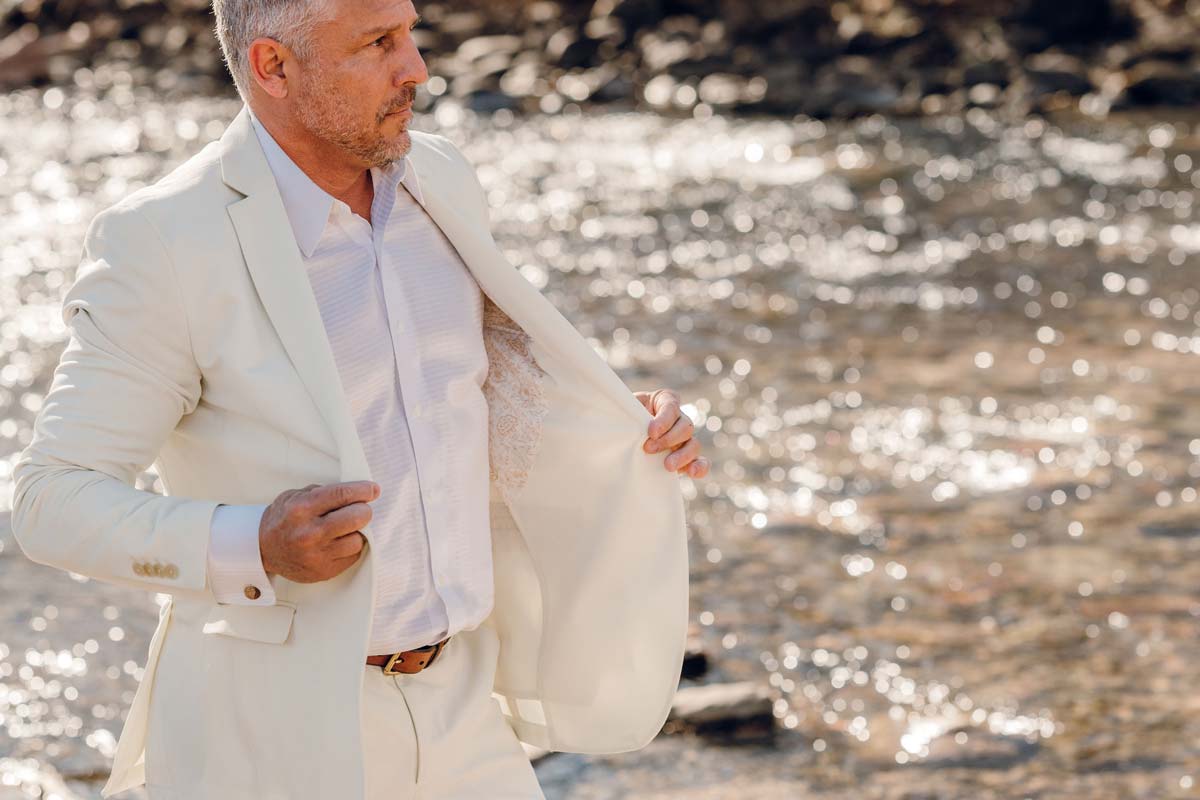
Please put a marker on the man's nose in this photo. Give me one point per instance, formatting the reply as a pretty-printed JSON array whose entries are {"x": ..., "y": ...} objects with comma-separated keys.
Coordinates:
[{"x": 413, "y": 70}]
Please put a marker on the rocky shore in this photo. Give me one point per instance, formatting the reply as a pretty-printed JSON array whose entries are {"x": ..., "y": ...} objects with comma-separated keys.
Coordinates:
[{"x": 691, "y": 57}]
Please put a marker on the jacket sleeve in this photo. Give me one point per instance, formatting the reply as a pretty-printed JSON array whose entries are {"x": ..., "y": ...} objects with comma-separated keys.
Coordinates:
[{"x": 125, "y": 378}]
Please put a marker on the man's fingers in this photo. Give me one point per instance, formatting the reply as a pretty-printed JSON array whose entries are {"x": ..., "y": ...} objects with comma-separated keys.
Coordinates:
[
  {"x": 682, "y": 456},
  {"x": 679, "y": 433},
  {"x": 347, "y": 519},
  {"x": 324, "y": 499},
  {"x": 667, "y": 404},
  {"x": 347, "y": 546}
]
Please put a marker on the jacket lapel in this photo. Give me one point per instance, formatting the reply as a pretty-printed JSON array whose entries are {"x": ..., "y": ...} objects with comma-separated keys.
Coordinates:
[
  {"x": 277, "y": 268},
  {"x": 500, "y": 281}
]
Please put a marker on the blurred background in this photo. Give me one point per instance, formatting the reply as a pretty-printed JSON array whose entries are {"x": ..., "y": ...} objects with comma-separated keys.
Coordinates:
[{"x": 925, "y": 272}]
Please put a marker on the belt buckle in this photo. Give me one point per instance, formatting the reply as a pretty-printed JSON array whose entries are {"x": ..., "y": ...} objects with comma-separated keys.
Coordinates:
[{"x": 399, "y": 658}]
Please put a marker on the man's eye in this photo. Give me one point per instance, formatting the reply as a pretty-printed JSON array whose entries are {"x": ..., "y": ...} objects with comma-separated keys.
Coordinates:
[{"x": 380, "y": 39}]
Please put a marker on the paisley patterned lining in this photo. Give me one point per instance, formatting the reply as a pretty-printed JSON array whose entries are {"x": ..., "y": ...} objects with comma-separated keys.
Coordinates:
[{"x": 516, "y": 400}]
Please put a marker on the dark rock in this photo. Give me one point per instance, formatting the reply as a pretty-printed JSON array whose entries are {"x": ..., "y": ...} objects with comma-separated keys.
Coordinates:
[
  {"x": 633, "y": 14},
  {"x": 1052, "y": 81},
  {"x": 696, "y": 67},
  {"x": 759, "y": 21},
  {"x": 785, "y": 90},
  {"x": 27, "y": 55},
  {"x": 723, "y": 705},
  {"x": 1075, "y": 20},
  {"x": 850, "y": 89},
  {"x": 994, "y": 71},
  {"x": 1181, "y": 530},
  {"x": 695, "y": 660},
  {"x": 1180, "y": 54},
  {"x": 487, "y": 101},
  {"x": 872, "y": 43},
  {"x": 933, "y": 48},
  {"x": 762, "y": 56},
  {"x": 933, "y": 81},
  {"x": 1051, "y": 73},
  {"x": 610, "y": 84},
  {"x": 982, "y": 750},
  {"x": 568, "y": 49},
  {"x": 1157, "y": 83}
]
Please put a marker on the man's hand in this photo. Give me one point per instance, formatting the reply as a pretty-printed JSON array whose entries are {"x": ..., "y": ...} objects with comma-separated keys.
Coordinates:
[
  {"x": 671, "y": 429},
  {"x": 312, "y": 534}
]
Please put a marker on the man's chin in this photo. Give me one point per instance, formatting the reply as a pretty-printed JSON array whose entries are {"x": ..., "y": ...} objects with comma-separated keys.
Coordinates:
[{"x": 398, "y": 147}]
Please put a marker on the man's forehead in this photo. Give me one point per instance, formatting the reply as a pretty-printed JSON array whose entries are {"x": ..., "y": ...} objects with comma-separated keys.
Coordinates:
[{"x": 360, "y": 17}]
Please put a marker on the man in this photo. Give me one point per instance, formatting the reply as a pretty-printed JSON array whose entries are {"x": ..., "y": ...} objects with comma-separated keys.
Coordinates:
[{"x": 482, "y": 551}]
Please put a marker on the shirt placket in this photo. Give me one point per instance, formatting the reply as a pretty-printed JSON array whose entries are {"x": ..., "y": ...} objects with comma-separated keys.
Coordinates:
[{"x": 419, "y": 404}]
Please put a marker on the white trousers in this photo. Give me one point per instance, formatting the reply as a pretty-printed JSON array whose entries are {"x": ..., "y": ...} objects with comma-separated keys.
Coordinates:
[{"x": 438, "y": 734}]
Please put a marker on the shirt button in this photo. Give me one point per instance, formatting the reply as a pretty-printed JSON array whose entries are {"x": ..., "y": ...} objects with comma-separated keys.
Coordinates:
[{"x": 252, "y": 592}]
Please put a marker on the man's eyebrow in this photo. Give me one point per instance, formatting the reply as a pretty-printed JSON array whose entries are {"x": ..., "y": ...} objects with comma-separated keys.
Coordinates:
[{"x": 386, "y": 28}]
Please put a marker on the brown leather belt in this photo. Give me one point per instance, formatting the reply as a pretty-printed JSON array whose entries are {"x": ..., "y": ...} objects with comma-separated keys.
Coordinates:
[{"x": 408, "y": 661}]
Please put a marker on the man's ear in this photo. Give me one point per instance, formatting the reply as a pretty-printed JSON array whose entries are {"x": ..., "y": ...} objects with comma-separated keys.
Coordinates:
[{"x": 267, "y": 59}]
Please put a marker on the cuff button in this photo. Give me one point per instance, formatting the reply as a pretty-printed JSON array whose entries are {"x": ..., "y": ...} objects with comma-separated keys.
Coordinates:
[{"x": 252, "y": 592}]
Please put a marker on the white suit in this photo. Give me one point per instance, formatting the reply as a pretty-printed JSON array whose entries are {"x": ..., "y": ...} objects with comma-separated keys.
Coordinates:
[{"x": 197, "y": 345}]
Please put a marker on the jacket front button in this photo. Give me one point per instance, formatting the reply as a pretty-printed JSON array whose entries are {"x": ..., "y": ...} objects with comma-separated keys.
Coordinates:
[
  {"x": 252, "y": 592},
  {"x": 172, "y": 571},
  {"x": 139, "y": 568}
]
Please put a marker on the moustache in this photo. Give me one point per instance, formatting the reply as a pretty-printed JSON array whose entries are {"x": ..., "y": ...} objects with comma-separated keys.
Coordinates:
[{"x": 404, "y": 104}]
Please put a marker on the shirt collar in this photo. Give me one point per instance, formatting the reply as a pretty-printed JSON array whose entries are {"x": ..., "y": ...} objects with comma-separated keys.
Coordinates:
[{"x": 308, "y": 205}]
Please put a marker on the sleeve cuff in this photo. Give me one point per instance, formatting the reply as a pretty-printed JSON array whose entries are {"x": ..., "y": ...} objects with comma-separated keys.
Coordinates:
[{"x": 234, "y": 559}]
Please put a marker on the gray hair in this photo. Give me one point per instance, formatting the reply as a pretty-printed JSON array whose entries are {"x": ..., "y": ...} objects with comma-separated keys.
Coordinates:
[{"x": 240, "y": 22}]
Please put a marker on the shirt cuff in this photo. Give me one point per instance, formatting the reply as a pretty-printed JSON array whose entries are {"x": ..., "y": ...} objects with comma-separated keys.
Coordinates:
[{"x": 234, "y": 560}]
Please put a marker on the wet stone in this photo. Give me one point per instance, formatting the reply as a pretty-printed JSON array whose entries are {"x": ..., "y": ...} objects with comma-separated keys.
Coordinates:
[{"x": 722, "y": 706}]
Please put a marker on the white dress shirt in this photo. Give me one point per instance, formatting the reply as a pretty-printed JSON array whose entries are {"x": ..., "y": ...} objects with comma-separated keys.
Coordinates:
[{"x": 404, "y": 318}]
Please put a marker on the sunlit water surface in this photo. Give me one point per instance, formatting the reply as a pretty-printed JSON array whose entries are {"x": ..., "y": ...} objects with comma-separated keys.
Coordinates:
[{"x": 949, "y": 374}]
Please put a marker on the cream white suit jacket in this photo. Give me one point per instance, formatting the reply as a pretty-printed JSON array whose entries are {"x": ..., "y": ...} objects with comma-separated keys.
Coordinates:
[{"x": 197, "y": 346}]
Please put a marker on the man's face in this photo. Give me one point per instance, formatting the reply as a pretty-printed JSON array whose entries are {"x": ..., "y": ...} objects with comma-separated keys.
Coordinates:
[{"x": 365, "y": 67}]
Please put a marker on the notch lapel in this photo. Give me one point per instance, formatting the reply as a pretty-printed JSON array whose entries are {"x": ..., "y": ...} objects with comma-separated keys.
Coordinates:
[{"x": 277, "y": 268}]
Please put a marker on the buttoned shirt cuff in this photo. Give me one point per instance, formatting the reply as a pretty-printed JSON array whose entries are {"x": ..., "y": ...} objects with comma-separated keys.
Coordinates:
[{"x": 234, "y": 559}]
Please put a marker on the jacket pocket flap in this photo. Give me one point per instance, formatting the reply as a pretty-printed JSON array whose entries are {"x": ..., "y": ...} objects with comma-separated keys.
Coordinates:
[{"x": 261, "y": 623}]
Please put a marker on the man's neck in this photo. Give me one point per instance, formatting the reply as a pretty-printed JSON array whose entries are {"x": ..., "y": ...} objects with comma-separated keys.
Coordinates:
[{"x": 325, "y": 165}]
